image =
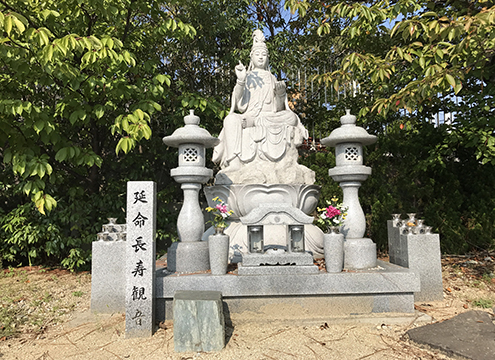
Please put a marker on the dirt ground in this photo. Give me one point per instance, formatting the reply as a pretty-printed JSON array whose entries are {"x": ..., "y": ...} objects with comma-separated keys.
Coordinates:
[{"x": 44, "y": 314}]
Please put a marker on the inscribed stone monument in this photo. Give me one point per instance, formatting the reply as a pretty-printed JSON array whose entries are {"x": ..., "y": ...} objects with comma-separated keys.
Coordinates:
[{"x": 140, "y": 259}]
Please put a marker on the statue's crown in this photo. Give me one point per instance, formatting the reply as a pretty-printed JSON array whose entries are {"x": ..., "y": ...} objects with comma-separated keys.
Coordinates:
[{"x": 258, "y": 40}]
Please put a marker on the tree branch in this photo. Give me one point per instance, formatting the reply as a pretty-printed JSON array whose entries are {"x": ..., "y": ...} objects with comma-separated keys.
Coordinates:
[
  {"x": 128, "y": 23},
  {"x": 91, "y": 18}
]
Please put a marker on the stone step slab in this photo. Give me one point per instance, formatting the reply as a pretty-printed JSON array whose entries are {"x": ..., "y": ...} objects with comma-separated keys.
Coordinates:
[{"x": 199, "y": 323}]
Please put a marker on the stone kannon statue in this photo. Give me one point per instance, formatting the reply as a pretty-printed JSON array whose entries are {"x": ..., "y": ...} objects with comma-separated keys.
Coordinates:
[
  {"x": 258, "y": 157},
  {"x": 260, "y": 136}
]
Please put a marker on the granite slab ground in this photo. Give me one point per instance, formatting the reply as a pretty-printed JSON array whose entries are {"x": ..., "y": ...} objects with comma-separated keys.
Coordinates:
[{"x": 470, "y": 335}]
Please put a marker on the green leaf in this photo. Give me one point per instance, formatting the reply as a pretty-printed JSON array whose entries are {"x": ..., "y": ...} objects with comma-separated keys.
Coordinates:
[
  {"x": 50, "y": 202},
  {"x": 161, "y": 78},
  {"x": 319, "y": 30},
  {"x": 157, "y": 106},
  {"x": 99, "y": 111},
  {"x": 39, "y": 125},
  {"x": 76, "y": 115},
  {"x": 20, "y": 26},
  {"x": 450, "y": 79},
  {"x": 7, "y": 156},
  {"x": 457, "y": 87},
  {"x": 139, "y": 113},
  {"x": 422, "y": 62},
  {"x": 61, "y": 155},
  {"x": 123, "y": 145},
  {"x": 8, "y": 24},
  {"x": 49, "y": 53}
]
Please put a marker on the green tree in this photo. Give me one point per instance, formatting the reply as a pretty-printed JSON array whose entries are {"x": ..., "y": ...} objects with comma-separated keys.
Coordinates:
[
  {"x": 412, "y": 61},
  {"x": 69, "y": 76},
  {"x": 428, "y": 50},
  {"x": 79, "y": 85}
]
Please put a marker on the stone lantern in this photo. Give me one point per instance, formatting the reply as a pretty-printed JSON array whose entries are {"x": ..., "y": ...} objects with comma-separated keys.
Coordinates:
[
  {"x": 190, "y": 254},
  {"x": 349, "y": 172}
]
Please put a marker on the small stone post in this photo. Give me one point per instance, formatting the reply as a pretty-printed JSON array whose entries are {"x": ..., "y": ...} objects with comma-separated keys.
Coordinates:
[
  {"x": 349, "y": 172},
  {"x": 140, "y": 259},
  {"x": 190, "y": 254},
  {"x": 107, "y": 269}
]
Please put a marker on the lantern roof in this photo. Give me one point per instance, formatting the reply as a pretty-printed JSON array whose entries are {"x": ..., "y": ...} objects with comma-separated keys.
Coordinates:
[
  {"x": 191, "y": 133},
  {"x": 348, "y": 132}
]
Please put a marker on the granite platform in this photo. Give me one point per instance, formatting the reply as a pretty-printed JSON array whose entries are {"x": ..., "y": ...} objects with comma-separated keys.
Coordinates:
[{"x": 388, "y": 288}]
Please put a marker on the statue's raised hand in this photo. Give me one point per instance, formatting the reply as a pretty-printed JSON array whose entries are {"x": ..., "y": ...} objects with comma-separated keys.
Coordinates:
[
  {"x": 240, "y": 72},
  {"x": 280, "y": 88}
]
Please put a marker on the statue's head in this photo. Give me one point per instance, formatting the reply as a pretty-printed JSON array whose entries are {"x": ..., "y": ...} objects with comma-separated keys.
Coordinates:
[{"x": 259, "y": 52}]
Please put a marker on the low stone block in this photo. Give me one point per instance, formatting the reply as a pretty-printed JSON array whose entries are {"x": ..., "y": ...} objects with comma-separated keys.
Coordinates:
[
  {"x": 199, "y": 323},
  {"x": 188, "y": 257},
  {"x": 107, "y": 277}
]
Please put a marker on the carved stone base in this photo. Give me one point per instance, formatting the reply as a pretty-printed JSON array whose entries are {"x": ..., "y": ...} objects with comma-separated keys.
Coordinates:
[
  {"x": 188, "y": 256},
  {"x": 242, "y": 198},
  {"x": 359, "y": 254}
]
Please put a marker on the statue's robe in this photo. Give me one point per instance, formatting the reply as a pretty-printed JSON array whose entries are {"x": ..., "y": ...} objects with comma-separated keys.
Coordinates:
[{"x": 271, "y": 126}]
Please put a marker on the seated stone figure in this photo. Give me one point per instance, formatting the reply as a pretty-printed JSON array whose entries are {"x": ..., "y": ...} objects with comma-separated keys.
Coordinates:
[{"x": 260, "y": 136}]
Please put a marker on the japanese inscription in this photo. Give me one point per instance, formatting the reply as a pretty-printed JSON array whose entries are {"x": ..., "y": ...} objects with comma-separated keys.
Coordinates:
[
  {"x": 138, "y": 293},
  {"x": 139, "y": 269},
  {"x": 140, "y": 258},
  {"x": 138, "y": 317},
  {"x": 139, "y": 245},
  {"x": 140, "y": 196},
  {"x": 139, "y": 220}
]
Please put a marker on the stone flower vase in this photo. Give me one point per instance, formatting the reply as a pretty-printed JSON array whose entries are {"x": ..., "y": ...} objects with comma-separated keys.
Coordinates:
[
  {"x": 333, "y": 247},
  {"x": 218, "y": 246}
]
